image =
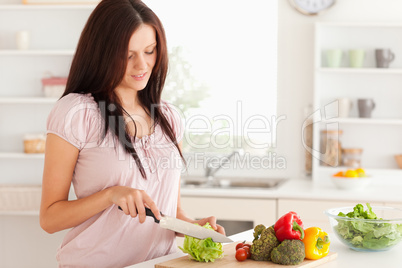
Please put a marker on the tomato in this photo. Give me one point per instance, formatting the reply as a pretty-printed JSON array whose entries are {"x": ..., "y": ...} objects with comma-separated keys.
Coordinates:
[
  {"x": 241, "y": 254},
  {"x": 240, "y": 245},
  {"x": 247, "y": 249}
]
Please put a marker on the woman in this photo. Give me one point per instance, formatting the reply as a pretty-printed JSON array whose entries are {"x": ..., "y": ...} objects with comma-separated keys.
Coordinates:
[{"x": 112, "y": 137}]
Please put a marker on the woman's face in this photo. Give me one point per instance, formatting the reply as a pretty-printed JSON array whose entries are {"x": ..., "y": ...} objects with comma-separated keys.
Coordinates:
[{"x": 141, "y": 58}]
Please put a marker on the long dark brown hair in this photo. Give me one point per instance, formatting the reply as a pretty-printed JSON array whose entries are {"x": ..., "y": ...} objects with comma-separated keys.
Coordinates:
[{"x": 100, "y": 63}]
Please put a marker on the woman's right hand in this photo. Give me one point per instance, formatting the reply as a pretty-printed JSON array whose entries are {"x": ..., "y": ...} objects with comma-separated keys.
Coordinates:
[{"x": 133, "y": 201}]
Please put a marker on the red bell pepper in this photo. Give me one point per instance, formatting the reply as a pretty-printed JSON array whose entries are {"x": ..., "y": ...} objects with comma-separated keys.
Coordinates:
[{"x": 289, "y": 226}]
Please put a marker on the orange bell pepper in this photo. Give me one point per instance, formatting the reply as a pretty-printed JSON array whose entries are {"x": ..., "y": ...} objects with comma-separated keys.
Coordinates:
[{"x": 316, "y": 243}]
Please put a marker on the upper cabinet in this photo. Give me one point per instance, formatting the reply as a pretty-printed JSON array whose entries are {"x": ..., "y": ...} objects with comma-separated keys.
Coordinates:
[
  {"x": 357, "y": 98},
  {"x": 36, "y": 41}
]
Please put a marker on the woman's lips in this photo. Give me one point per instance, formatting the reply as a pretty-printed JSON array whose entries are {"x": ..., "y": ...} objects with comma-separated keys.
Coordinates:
[{"x": 139, "y": 77}]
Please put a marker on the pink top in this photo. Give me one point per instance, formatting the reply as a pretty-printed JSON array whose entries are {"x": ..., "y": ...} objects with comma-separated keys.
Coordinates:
[{"x": 111, "y": 238}]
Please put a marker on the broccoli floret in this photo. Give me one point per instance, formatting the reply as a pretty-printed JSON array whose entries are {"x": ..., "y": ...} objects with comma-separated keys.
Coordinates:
[
  {"x": 264, "y": 241},
  {"x": 289, "y": 252},
  {"x": 258, "y": 230}
]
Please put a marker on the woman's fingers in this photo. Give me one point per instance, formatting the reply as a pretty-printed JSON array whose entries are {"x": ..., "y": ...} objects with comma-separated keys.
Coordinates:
[
  {"x": 133, "y": 202},
  {"x": 132, "y": 207},
  {"x": 212, "y": 222},
  {"x": 151, "y": 205},
  {"x": 124, "y": 208},
  {"x": 220, "y": 229},
  {"x": 143, "y": 200},
  {"x": 140, "y": 208}
]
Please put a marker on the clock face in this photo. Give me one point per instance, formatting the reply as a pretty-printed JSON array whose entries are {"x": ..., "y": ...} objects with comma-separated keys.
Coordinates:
[{"x": 312, "y": 7}]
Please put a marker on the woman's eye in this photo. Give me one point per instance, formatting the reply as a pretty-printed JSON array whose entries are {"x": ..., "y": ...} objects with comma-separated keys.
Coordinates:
[
  {"x": 130, "y": 57},
  {"x": 150, "y": 52}
]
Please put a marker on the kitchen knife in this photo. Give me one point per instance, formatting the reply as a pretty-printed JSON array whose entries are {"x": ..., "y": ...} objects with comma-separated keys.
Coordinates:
[{"x": 187, "y": 228}]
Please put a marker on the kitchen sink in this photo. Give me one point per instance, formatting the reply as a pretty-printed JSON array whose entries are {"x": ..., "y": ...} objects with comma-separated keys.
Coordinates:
[{"x": 232, "y": 182}]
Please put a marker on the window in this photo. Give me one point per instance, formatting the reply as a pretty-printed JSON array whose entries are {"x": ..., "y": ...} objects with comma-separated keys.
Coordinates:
[{"x": 222, "y": 72}]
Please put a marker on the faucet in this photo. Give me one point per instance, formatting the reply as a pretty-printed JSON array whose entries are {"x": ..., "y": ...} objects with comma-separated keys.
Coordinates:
[{"x": 211, "y": 169}]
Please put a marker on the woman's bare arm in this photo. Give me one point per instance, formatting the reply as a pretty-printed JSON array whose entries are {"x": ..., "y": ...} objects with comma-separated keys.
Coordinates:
[{"x": 58, "y": 213}]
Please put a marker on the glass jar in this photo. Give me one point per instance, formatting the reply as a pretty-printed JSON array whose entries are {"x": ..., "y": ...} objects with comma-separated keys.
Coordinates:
[
  {"x": 34, "y": 143},
  {"x": 352, "y": 157},
  {"x": 331, "y": 149}
]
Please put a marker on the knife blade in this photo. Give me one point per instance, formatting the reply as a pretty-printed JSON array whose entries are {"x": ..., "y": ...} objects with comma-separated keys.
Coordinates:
[{"x": 187, "y": 228}]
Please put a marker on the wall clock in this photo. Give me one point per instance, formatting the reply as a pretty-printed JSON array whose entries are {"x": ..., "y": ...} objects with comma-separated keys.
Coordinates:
[{"x": 311, "y": 7}]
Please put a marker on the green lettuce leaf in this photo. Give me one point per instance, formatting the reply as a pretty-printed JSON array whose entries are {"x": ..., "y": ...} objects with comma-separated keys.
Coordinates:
[
  {"x": 202, "y": 250},
  {"x": 367, "y": 235}
]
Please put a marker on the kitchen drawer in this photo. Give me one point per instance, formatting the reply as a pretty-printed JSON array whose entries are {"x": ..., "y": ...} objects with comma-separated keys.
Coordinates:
[
  {"x": 259, "y": 211},
  {"x": 23, "y": 243},
  {"x": 20, "y": 197},
  {"x": 312, "y": 211}
]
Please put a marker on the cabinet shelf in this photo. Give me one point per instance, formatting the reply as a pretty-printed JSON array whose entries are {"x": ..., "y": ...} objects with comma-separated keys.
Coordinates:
[
  {"x": 328, "y": 70},
  {"x": 19, "y": 213},
  {"x": 360, "y": 24},
  {"x": 386, "y": 172},
  {"x": 380, "y": 84},
  {"x": 32, "y": 52},
  {"x": 55, "y": 31},
  {"x": 365, "y": 121},
  {"x": 7, "y": 155},
  {"x": 27, "y": 100},
  {"x": 45, "y": 7}
]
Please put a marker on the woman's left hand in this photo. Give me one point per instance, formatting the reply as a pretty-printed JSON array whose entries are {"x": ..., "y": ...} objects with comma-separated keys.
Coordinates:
[{"x": 212, "y": 222}]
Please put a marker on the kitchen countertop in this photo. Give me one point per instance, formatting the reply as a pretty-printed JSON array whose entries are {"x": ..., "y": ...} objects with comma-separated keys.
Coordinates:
[
  {"x": 346, "y": 257},
  {"x": 380, "y": 190}
]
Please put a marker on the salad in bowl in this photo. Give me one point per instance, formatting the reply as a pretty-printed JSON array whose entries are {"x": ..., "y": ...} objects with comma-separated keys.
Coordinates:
[{"x": 362, "y": 230}]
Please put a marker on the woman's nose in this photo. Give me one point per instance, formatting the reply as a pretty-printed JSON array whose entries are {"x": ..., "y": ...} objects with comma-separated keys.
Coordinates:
[{"x": 140, "y": 63}]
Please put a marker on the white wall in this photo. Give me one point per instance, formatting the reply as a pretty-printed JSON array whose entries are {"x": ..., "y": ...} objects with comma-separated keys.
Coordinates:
[{"x": 295, "y": 65}]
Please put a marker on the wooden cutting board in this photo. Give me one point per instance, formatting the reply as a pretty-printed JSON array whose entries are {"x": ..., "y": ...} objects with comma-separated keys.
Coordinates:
[{"x": 229, "y": 260}]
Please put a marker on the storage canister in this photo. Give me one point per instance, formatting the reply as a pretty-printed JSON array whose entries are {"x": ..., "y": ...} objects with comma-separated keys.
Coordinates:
[
  {"x": 34, "y": 143},
  {"x": 331, "y": 149},
  {"x": 54, "y": 87},
  {"x": 352, "y": 157}
]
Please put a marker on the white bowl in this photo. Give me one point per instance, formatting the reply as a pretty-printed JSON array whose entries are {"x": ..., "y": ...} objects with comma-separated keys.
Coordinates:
[{"x": 351, "y": 184}]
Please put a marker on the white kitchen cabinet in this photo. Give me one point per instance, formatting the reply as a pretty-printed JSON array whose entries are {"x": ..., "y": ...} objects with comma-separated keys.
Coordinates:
[
  {"x": 54, "y": 31},
  {"x": 312, "y": 211},
  {"x": 24, "y": 244},
  {"x": 378, "y": 136},
  {"x": 234, "y": 211}
]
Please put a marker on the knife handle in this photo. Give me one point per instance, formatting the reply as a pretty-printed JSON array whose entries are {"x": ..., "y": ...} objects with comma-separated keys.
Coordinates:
[{"x": 148, "y": 212}]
